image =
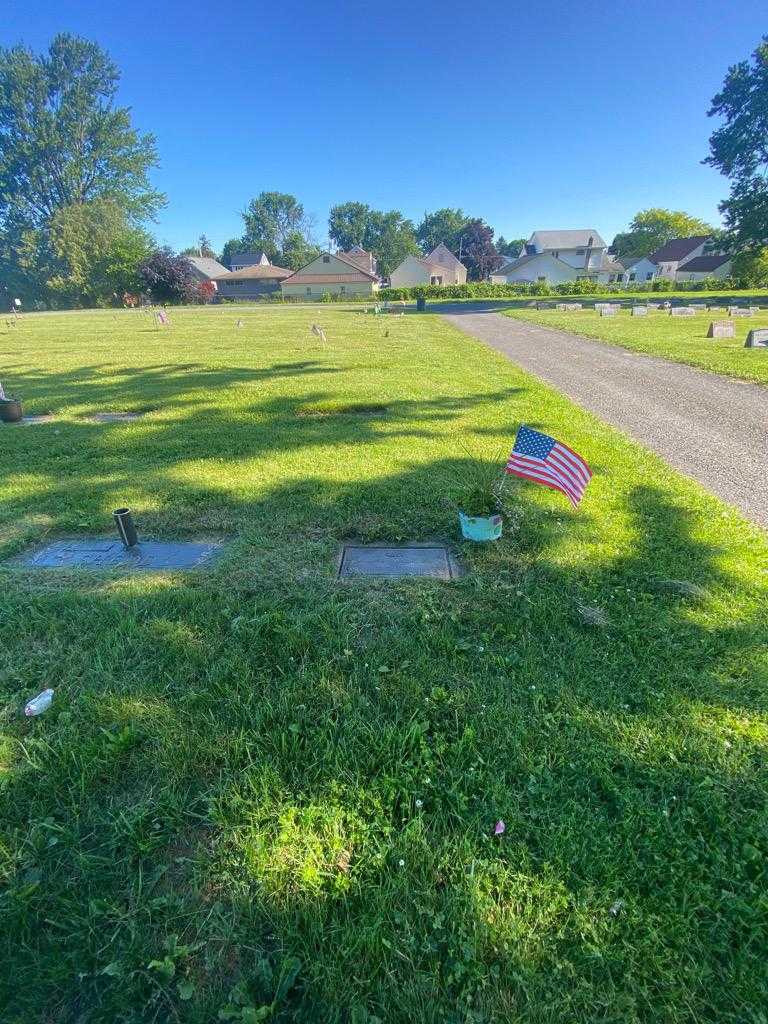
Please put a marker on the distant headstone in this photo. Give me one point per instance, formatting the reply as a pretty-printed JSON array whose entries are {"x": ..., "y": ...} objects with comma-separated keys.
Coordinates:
[
  {"x": 573, "y": 305},
  {"x": 608, "y": 311},
  {"x": 757, "y": 339},
  {"x": 721, "y": 329},
  {"x": 698, "y": 307},
  {"x": 754, "y": 309},
  {"x": 639, "y": 311},
  {"x": 682, "y": 311},
  {"x": 739, "y": 311}
]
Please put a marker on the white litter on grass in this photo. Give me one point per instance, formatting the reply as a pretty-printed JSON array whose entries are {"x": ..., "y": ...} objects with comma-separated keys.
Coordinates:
[{"x": 38, "y": 704}]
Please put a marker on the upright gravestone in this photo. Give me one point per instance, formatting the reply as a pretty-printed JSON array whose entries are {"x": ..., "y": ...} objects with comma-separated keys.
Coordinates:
[
  {"x": 573, "y": 305},
  {"x": 608, "y": 311},
  {"x": 639, "y": 311},
  {"x": 682, "y": 311},
  {"x": 757, "y": 339},
  {"x": 721, "y": 329},
  {"x": 698, "y": 307},
  {"x": 739, "y": 311}
]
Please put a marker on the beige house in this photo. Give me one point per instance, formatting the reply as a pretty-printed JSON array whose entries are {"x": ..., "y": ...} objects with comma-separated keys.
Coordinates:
[
  {"x": 342, "y": 274},
  {"x": 440, "y": 267}
]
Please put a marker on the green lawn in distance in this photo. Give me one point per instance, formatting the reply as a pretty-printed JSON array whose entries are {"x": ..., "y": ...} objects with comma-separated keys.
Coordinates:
[
  {"x": 680, "y": 339},
  {"x": 262, "y": 791}
]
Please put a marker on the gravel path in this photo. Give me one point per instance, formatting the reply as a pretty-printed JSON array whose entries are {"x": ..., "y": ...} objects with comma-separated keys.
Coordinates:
[{"x": 714, "y": 429}]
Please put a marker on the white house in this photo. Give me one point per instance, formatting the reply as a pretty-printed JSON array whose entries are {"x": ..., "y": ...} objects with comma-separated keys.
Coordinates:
[
  {"x": 701, "y": 267},
  {"x": 676, "y": 253},
  {"x": 641, "y": 270},
  {"x": 558, "y": 256},
  {"x": 440, "y": 267}
]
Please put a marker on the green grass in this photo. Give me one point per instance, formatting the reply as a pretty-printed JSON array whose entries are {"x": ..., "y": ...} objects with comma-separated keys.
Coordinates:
[
  {"x": 263, "y": 792},
  {"x": 681, "y": 339}
]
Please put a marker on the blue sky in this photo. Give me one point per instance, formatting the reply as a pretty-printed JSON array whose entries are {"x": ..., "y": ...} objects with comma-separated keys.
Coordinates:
[{"x": 528, "y": 115}]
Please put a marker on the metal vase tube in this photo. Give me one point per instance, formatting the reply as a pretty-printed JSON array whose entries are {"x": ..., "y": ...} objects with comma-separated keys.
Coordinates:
[{"x": 126, "y": 529}]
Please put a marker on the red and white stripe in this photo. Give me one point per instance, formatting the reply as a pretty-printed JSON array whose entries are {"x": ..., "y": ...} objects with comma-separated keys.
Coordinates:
[{"x": 562, "y": 470}]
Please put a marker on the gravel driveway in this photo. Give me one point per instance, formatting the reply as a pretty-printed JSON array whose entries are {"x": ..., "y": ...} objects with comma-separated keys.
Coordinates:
[{"x": 712, "y": 428}]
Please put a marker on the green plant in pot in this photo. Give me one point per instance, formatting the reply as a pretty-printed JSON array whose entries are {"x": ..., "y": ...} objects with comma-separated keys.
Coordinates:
[
  {"x": 10, "y": 408},
  {"x": 482, "y": 499}
]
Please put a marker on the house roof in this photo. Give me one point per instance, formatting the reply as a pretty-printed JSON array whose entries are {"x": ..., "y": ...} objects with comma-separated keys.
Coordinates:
[
  {"x": 703, "y": 263},
  {"x": 249, "y": 258},
  {"x": 360, "y": 273},
  {"x": 442, "y": 255},
  {"x": 358, "y": 255},
  {"x": 257, "y": 272},
  {"x": 677, "y": 249},
  {"x": 205, "y": 265},
  {"x": 570, "y": 239},
  {"x": 523, "y": 261},
  {"x": 611, "y": 266},
  {"x": 638, "y": 259}
]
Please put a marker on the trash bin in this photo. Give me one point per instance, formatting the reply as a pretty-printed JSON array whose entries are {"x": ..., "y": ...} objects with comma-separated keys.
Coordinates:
[{"x": 421, "y": 304}]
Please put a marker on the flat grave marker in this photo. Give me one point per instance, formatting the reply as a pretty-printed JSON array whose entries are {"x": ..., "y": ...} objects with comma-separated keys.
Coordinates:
[
  {"x": 739, "y": 311},
  {"x": 639, "y": 311},
  {"x": 116, "y": 417},
  {"x": 393, "y": 562},
  {"x": 104, "y": 553},
  {"x": 682, "y": 311},
  {"x": 721, "y": 329},
  {"x": 757, "y": 338}
]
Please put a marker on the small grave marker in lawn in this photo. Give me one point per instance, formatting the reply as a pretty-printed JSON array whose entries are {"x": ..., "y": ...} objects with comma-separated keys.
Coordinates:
[
  {"x": 757, "y": 338},
  {"x": 721, "y": 329},
  {"x": 739, "y": 311},
  {"x": 682, "y": 311},
  {"x": 106, "y": 553},
  {"x": 116, "y": 417},
  {"x": 639, "y": 311},
  {"x": 391, "y": 562},
  {"x": 608, "y": 311}
]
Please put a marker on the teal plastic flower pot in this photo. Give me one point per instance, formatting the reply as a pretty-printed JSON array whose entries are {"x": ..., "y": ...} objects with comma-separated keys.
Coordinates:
[{"x": 480, "y": 528}]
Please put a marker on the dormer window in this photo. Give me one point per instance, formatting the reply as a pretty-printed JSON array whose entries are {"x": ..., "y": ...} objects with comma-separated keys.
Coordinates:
[{"x": 326, "y": 259}]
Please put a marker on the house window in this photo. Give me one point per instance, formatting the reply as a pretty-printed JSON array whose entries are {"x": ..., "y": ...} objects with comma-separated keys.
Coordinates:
[
  {"x": 631, "y": 277},
  {"x": 541, "y": 279},
  {"x": 326, "y": 259},
  {"x": 343, "y": 289},
  {"x": 309, "y": 290},
  {"x": 649, "y": 276},
  {"x": 556, "y": 254}
]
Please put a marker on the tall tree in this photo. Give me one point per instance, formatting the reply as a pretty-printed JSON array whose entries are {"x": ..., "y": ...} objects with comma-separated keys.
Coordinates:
[
  {"x": 203, "y": 248},
  {"x": 512, "y": 247},
  {"x": 478, "y": 252},
  {"x": 62, "y": 139},
  {"x": 271, "y": 218},
  {"x": 297, "y": 252},
  {"x": 444, "y": 225},
  {"x": 653, "y": 228},
  {"x": 389, "y": 235},
  {"x": 96, "y": 253},
  {"x": 348, "y": 225},
  {"x": 739, "y": 149}
]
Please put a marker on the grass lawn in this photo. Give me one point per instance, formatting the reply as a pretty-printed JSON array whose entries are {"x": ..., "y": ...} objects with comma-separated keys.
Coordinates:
[
  {"x": 681, "y": 339},
  {"x": 263, "y": 794}
]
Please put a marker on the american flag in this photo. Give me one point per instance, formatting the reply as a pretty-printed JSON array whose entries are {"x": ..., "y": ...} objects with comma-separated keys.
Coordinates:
[{"x": 545, "y": 461}]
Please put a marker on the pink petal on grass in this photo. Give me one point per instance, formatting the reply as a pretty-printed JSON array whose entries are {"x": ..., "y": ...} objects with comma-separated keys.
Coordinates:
[{"x": 500, "y": 828}]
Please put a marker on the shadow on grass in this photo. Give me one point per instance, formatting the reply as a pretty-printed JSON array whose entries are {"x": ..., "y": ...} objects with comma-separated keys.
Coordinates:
[{"x": 265, "y": 764}]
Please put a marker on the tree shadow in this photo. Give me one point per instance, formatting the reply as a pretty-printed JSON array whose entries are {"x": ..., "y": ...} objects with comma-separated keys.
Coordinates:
[{"x": 292, "y": 723}]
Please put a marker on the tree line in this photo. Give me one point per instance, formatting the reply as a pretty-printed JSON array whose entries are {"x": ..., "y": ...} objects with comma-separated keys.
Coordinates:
[{"x": 76, "y": 196}]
